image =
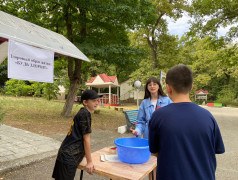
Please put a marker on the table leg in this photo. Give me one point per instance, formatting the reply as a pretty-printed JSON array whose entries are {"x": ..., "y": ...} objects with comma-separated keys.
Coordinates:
[
  {"x": 81, "y": 175},
  {"x": 152, "y": 175}
]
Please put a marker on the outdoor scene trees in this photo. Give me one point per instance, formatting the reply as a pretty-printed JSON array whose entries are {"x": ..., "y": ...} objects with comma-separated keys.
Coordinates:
[
  {"x": 130, "y": 39},
  {"x": 211, "y": 15}
]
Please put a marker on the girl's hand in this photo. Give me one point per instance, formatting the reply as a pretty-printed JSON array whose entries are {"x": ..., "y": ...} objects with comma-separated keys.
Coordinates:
[
  {"x": 136, "y": 133},
  {"x": 90, "y": 168}
]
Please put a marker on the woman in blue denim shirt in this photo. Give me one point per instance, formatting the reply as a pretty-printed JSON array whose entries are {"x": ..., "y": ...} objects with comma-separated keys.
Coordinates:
[{"x": 154, "y": 98}]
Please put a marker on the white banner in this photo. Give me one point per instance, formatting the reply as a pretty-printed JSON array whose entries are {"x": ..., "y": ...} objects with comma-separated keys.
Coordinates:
[{"x": 30, "y": 63}]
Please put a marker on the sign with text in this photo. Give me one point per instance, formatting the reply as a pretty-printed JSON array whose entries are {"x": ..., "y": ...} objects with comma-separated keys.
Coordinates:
[{"x": 30, "y": 63}]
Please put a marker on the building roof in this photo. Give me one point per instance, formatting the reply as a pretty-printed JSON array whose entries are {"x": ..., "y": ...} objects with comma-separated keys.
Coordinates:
[
  {"x": 91, "y": 80},
  {"x": 201, "y": 91},
  {"x": 104, "y": 77},
  {"x": 17, "y": 29},
  {"x": 102, "y": 80},
  {"x": 107, "y": 78}
]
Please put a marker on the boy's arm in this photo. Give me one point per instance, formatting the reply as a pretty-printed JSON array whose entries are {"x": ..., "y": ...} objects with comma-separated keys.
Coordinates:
[{"x": 87, "y": 148}]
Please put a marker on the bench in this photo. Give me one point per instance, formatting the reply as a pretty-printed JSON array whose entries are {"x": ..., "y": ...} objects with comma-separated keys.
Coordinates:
[{"x": 131, "y": 117}]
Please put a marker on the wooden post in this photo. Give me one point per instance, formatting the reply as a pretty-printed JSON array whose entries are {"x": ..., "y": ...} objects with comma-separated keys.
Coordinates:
[
  {"x": 110, "y": 94},
  {"x": 118, "y": 99}
]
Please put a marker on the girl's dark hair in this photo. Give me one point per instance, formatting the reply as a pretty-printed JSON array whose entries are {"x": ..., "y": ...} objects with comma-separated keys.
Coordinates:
[{"x": 147, "y": 92}]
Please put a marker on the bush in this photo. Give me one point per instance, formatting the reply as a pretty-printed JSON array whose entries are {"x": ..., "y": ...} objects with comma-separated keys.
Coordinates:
[
  {"x": 47, "y": 90},
  {"x": 50, "y": 90},
  {"x": 17, "y": 88},
  {"x": 24, "y": 88},
  {"x": 37, "y": 88},
  {"x": 227, "y": 96}
]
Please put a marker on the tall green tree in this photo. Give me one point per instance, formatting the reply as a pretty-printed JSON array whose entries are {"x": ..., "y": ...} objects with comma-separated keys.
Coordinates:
[
  {"x": 97, "y": 27},
  {"x": 210, "y": 15},
  {"x": 154, "y": 23},
  {"x": 214, "y": 65},
  {"x": 101, "y": 35},
  {"x": 168, "y": 53}
]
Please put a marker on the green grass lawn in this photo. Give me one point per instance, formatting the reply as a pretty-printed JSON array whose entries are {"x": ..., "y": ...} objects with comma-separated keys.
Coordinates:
[{"x": 43, "y": 117}]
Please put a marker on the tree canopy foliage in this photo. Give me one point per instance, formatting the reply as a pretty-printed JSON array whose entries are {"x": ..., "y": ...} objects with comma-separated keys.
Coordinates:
[
  {"x": 210, "y": 15},
  {"x": 98, "y": 27},
  {"x": 130, "y": 39}
]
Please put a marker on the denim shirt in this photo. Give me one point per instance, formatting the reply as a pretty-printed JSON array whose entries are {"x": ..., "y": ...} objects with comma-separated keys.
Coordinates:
[{"x": 145, "y": 112}]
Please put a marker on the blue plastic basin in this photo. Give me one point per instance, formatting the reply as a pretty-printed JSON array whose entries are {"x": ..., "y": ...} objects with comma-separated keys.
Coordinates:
[{"x": 132, "y": 150}]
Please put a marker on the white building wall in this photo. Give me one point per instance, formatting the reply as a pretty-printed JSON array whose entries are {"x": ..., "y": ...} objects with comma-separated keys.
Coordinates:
[
  {"x": 141, "y": 94},
  {"x": 61, "y": 95},
  {"x": 127, "y": 91}
]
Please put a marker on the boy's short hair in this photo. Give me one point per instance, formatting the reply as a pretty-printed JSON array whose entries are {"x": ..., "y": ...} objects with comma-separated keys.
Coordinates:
[{"x": 180, "y": 77}]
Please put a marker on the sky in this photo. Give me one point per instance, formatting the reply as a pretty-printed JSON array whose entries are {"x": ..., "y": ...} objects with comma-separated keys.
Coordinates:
[{"x": 180, "y": 26}]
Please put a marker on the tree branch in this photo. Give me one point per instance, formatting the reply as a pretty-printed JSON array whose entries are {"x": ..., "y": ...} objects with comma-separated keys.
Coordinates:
[{"x": 148, "y": 40}]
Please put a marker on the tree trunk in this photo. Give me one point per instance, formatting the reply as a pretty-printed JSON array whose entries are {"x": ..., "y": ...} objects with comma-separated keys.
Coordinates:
[
  {"x": 227, "y": 79},
  {"x": 152, "y": 43},
  {"x": 153, "y": 47},
  {"x": 154, "y": 51},
  {"x": 74, "y": 85},
  {"x": 74, "y": 65},
  {"x": 75, "y": 80},
  {"x": 117, "y": 72}
]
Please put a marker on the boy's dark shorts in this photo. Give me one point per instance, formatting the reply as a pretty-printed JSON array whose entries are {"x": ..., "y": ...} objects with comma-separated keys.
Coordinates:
[{"x": 63, "y": 171}]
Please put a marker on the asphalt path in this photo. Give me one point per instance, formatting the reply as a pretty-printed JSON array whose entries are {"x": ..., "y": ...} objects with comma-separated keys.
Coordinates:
[
  {"x": 43, "y": 170},
  {"x": 227, "y": 163}
]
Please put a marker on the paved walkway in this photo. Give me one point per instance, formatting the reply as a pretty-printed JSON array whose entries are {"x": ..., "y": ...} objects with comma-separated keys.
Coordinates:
[{"x": 19, "y": 148}]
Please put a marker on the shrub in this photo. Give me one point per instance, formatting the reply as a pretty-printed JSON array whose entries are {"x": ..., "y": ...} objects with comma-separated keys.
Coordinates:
[
  {"x": 227, "y": 96},
  {"x": 50, "y": 90},
  {"x": 17, "y": 88},
  {"x": 37, "y": 88},
  {"x": 24, "y": 88}
]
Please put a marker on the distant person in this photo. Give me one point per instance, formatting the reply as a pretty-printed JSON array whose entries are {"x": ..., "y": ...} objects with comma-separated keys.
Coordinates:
[
  {"x": 185, "y": 136},
  {"x": 154, "y": 98},
  {"x": 76, "y": 144}
]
